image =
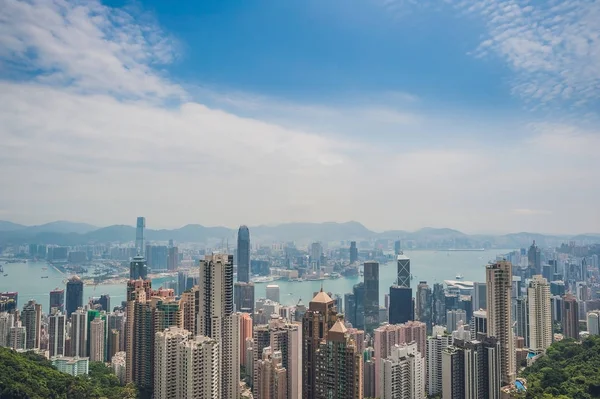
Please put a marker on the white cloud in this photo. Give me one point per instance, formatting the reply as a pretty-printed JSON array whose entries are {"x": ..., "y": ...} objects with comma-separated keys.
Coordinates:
[
  {"x": 85, "y": 45},
  {"x": 553, "y": 46},
  {"x": 91, "y": 139}
]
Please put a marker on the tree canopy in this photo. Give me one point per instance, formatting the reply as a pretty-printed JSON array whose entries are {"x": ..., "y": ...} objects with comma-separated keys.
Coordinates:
[
  {"x": 30, "y": 376},
  {"x": 570, "y": 370}
]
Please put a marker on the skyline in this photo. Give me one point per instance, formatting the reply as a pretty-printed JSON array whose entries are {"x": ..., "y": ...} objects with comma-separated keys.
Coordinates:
[
  {"x": 395, "y": 113},
  {"x": 70, "y": 227}
]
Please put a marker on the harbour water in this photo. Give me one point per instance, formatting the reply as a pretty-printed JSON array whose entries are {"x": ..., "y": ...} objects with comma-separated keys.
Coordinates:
[{"x": 430, "y": 266}]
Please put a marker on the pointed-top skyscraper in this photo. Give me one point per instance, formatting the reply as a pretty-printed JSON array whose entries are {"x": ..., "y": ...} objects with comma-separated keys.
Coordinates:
[
  {"x": 316, "y": 322},
  {"x": 139, "y": 235},
  {"x": 243, "y": 255}
]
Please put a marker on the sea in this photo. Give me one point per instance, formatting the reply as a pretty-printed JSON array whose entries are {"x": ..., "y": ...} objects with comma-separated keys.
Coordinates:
[{"x": 430, "y": 266}]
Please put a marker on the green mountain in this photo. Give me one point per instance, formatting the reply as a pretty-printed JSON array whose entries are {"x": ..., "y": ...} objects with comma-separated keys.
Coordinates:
[
  {"x": 568, "y": 371},
  {"x": 30, "y": 376}
]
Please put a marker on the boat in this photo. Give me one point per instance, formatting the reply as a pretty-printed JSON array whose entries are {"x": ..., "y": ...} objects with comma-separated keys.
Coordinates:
[
  {"x": 44, "y": 276},
  {"x": 6, "y": 275},
  {"x": 459, "y": 277},
  {"x": 44, "y": 268},
  {"x": 262, "y": 280}
]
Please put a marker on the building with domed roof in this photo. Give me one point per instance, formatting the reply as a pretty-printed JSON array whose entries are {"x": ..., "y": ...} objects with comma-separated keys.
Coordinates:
[{"x": 331, "y": 362}]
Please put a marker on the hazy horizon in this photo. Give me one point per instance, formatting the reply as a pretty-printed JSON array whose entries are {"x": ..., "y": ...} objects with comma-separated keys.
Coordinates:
[{"x": 234, "y": 227}]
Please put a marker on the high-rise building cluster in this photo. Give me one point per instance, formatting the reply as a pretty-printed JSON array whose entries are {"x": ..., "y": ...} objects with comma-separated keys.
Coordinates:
[{"x": 210, "y": 337}]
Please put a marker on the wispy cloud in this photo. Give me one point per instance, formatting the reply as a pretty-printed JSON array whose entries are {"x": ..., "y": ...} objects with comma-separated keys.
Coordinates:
[
  {"x": 86, "y": 46},
  {"x": 553, "y": 46}
]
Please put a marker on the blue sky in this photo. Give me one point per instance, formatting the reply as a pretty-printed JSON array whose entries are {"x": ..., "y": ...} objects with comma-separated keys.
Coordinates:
[
  {"x": 481, "y": 116},
  {"x": 324, "y": 51}
]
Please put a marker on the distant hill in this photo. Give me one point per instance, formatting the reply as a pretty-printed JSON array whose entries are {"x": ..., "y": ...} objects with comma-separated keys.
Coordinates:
[
  {"x": 62, "y": 226},
  {"x": 10, "y": 226},
  {"x": 328, "y": 231},
  {"x": 69, "y": 233}
]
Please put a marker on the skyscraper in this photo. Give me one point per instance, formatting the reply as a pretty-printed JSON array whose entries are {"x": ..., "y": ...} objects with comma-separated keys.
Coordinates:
[
  {"x": 316, "y": 322},
  {"x": 478, "y": 324},
  {"x": 453, "y": 373},
  {"x": 284, "y": 337},
  {"x": 79, "y": 333},
  {"x": 534, "y": 259},
  {"x": 357, "y": 309},
  {"x": 113, "y": 343},
  {"x": 139, "y": 236},
  {"x": 74, "y": 298},
  {"x": 424, "y": 304},
  {"x": 166, "y": 356},
  {"x": 404, "y": 275},
  {"x": 521, "y": 319},
  {"x": 371, "y": 299},
  {"x": 403, "y": 373},
  {"x": 138, "y": 268},
  {"x": 454, "y": 317},
  {"x": 57, "y": 300},
  {"x": 401, "y": 305},
  {"x": 471, "y": 370},
  {"x": 243, "y": 294},
  {"x": 246, "y": 331},
  {"x": 271, "y": 377},
  {"x": 152, "y": 315},
  {"x": 540, "y": 314},
  {"x": 338, "y": 365},
  {"x": 389, "y": 335},
  {"x": 173, "y": 260},
  {"x": 185, "y": 366},
  {"x": 570, "y": 316},
  {"x": 57, "y": 334},
  {"x": 397, "y": 247},
  {"x": 479, "y": 296},
  {"x": 272, "y": 292},
  {"x": 31, "y": 317},
  {"x": 499, "y": 289},
  {"x": 17, "y": 337},
  {"x": 243, "y": 255},
  {"x": 199, "y": 360},
  {"x": 353, "y": 252},
  {"x": 435, "y": 345},
  {"x": 97, "y": 340},
  {"x": 438, "y": 307},
  {"x": 7, "y": 321},
  {"x": 216, "y": 318},
  {"x": 593, "y": 322},
  {"x": 100, "y": 303},
  {"x": 316, "y": 251}
]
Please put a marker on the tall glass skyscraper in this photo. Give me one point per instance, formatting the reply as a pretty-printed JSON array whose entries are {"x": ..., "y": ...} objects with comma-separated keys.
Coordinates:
[
  {"x": 139, "y": 235},
  {"x": 371, "y": 301},
  {"x": 138, "y": 268},
  {"x": 243, "y": 255},
  {"x": 403, "y": 270},
  {"x": 74, "y": 298}
]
